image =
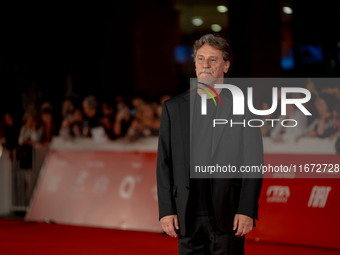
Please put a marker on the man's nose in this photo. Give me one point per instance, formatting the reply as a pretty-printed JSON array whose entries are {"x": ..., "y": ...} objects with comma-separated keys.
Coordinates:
[{"x": 206, "y": 63}]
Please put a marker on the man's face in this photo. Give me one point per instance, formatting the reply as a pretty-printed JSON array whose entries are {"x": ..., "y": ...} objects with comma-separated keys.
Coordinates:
[
  {"x": 88, "y": 111},
  {"x": 209, "y": 63}
]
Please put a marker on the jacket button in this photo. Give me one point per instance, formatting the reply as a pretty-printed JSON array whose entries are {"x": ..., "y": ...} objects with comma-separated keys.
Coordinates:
[{"x": 187, "y": 187}]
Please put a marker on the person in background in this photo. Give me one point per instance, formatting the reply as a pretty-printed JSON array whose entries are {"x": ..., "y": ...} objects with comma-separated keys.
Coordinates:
[
  {"x": 284, "y": 134},
  {"x": 267, "y": 127},
  {"x": 72, "y": 125},
  {"x": 123, "y": 118},
  {"x": 107, "y": 119},
  {"x": 107, "y": 109},
  {"x": 30, "y": 132},
  {"x": 146, "y": 123},
  {"x": 336, "y": 123},
  {"x": 137, "y": 102},
  {"x": 48, "y": 125},
  {"x": 30, "y": 135},
  {"x": 91, "y": 115},
  {"x": 107, "y": 123},
  {"x": 333, "y": 90},
  {"x": 322, "y": 126},
  {"x": 10, "y": 133},
  {"x": 67, "y": 108},
  {"x": 165, "y": 96}
]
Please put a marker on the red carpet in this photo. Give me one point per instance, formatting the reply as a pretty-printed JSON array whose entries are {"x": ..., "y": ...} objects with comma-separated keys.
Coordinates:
[{"x": 20, "y": 237}]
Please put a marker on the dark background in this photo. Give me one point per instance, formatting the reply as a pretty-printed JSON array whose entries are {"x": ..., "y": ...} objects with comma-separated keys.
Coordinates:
[{"x": 107, "y": 48}]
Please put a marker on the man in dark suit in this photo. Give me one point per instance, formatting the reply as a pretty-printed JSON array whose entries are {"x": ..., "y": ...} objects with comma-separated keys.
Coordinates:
[{"x": 211, "y": 215}]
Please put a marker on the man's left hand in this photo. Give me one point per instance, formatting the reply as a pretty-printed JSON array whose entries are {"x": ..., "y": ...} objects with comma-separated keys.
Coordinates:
[{"x": 243, "y": 224}]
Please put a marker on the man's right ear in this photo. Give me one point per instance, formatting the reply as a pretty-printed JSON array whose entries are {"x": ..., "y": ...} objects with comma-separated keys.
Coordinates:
[{"x": 226, "y": 66}]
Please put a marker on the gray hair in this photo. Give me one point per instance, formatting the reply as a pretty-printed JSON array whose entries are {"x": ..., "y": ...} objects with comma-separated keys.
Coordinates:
[
  {"x": 91, "y": 102},
  {"x": 215, "y": 41}
]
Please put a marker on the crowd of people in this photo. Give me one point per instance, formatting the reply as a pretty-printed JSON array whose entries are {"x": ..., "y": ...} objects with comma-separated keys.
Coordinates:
[
  {"x": 323, "y": 123},
  {"x": 103, "y": 120},
  {"x": 119, "y": 117}
]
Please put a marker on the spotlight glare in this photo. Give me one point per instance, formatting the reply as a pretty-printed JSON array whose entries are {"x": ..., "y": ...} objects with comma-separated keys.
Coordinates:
[
  {"x": 216, "y": 27},
  {"x": 197, "y": 21},
  {"x": 287, "y": 10},
  {"x": 222, "y": 8}
]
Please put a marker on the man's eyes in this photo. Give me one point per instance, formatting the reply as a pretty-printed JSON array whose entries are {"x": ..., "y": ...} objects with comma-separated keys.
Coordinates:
[{"x": 210, "y": 60}]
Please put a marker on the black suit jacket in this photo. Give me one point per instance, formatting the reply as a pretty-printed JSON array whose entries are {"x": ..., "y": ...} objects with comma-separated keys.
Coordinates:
[{"x": 238, "y": 146}]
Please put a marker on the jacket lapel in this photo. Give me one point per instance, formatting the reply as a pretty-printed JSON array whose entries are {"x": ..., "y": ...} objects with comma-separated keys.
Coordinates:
[{"x": 185, "y": 112}]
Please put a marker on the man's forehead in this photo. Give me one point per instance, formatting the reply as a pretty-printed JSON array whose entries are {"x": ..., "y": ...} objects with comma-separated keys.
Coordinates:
[{"x": 210, "y": 51}]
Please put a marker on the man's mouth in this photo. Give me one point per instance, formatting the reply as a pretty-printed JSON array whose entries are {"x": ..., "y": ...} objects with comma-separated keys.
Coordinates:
[{"x": 206, "y": 71}]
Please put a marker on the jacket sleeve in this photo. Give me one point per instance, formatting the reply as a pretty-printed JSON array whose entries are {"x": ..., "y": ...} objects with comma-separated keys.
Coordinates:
[
  {"x": 251, "y": 182},
  {"x": 166, "y": 203}
]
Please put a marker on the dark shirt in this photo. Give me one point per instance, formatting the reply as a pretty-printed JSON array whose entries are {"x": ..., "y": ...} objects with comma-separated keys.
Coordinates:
[{"x": 200, "y": 202}]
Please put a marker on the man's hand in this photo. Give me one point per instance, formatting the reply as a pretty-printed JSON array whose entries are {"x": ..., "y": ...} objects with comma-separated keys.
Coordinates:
[
  {"x": 169, "y": 223},
  {"x": 243, "y": 224}
]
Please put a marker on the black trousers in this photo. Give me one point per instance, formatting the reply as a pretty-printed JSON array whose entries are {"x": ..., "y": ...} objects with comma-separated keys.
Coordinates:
[{"x": 204, "y": 238}]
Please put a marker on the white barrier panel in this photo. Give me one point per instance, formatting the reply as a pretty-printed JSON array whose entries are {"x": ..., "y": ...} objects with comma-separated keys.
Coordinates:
[
  {"x": 117, "y": 188},
  {"x": 98, "y": 188}
]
